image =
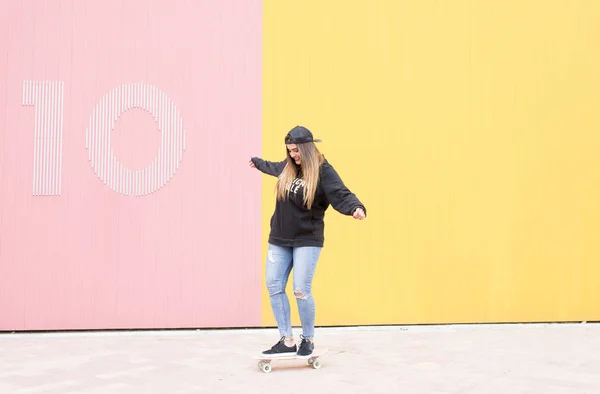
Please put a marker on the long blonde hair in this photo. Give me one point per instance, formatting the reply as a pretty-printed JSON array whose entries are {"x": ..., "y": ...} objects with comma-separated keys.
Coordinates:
[{"x": 311, "y": 160}]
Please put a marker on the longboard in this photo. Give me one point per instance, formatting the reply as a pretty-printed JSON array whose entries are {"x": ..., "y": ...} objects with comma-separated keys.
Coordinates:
[{"x": 264, "y": 363}]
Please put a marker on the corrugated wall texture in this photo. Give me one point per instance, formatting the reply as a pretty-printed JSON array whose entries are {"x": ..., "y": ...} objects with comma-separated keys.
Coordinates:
[
  {"x": 125, "y": 131},
  {"x": 470, "y": 130}
]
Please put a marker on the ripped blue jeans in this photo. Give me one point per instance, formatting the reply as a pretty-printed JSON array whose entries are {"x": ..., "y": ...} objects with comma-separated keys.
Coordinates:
[{"x": 280, "y": 261}]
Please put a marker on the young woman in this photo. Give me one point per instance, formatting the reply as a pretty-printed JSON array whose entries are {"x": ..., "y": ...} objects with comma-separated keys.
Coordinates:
[{"x": 307, "y": 184}]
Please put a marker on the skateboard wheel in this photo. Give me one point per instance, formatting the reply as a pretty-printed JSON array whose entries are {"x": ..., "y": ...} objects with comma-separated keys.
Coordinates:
[
  {"x": 260, "y": 365},
  {"x": 266, "y": 368},
  {"x": 311, "y": 361},
  {"x": 316, "y": 364}
]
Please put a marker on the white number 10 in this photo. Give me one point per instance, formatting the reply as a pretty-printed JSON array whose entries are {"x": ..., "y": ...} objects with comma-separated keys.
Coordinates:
[{"x": 47, "y": 98}]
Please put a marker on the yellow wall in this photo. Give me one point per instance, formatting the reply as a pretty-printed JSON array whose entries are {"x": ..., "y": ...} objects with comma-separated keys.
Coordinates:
[{"x": 470, "y": 129}]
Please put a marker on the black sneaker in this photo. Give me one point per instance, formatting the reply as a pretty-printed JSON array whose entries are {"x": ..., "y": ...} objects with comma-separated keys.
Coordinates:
[
  {"x": 306, "y": 348},
  {"x": 280, "y": 349}
]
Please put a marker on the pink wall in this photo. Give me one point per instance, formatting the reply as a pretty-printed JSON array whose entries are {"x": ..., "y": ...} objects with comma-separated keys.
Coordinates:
[{"x": 145, "y": 93}]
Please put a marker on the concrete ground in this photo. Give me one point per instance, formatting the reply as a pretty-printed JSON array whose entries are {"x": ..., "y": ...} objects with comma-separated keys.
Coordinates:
[{"x": 506, "y": 359}]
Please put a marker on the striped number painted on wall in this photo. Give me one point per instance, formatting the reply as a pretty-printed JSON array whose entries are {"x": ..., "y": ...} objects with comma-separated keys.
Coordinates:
[
  {"x": 47, "y": 97},
  {"x": 105, "y": 164}
]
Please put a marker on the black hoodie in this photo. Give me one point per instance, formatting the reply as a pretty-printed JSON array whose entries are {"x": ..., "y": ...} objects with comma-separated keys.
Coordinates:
[{"x": 293, "y": 224}]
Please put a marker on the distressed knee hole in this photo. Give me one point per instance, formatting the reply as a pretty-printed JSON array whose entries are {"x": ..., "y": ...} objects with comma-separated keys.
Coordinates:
[{"x": 300, "y": 295}]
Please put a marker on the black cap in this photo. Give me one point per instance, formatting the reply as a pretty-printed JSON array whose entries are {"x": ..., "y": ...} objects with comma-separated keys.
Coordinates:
[{"x": 299, "y": 135}]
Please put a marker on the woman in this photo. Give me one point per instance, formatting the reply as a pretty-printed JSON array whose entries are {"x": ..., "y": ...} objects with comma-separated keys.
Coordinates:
[{"x": 306, "y": 185}]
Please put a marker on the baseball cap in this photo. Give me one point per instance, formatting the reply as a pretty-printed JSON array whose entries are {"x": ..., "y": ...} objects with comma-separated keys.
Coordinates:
[{"x": 299, "y": 135}]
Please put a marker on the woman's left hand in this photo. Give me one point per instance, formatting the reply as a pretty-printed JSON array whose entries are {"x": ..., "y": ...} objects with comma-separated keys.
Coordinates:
[{"x": 359, "y": 214}]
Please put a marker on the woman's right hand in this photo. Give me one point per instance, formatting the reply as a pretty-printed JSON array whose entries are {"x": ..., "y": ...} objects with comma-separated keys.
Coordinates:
[{"x": 252, "y": 164}]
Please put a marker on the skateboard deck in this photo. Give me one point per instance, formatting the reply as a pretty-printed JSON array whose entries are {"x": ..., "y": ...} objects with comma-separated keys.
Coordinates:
[{"x": 264, "y": 361}]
